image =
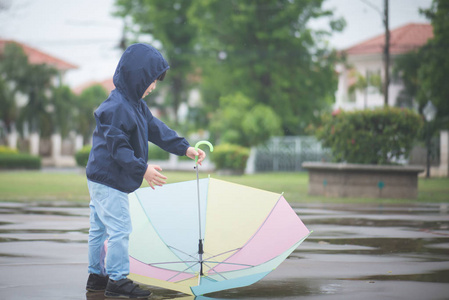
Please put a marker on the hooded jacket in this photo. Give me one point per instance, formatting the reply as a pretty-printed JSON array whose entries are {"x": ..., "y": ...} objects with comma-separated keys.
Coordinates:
[{"x": 124, "y": 124}]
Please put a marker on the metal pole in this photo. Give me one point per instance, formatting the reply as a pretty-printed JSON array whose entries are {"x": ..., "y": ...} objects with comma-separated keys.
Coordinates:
[
  {"x": 386, "y": 53},
  {"x": 428, "y": 151}
]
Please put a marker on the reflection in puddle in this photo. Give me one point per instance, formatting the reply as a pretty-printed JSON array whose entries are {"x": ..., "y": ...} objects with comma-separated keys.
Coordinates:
[{"x": 330, "y": 288}]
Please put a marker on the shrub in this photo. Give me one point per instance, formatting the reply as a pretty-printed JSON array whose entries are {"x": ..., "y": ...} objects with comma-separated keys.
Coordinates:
[
  {"x": 7, "y": 150},
  {"x": 82, "y": 156},
  {"x": 156, "y": 153},
  {"x": 15, "y": 160},
  {"x": 229, "y": 156},
  {"x": 239, "y": 120},
  {"x": 370, "y": 136}
]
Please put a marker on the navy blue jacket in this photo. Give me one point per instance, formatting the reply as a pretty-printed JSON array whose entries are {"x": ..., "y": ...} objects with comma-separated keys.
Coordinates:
[{"x": 119, "y": 152}]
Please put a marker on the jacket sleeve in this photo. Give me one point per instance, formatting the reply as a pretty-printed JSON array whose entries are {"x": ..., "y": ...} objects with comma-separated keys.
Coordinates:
[
  {"x": 165, "y": 137},
  {"x": 117, "y": 137}
]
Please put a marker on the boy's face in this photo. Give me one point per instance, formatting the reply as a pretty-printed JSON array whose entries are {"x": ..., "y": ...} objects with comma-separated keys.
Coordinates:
[{"x": 149, "y": 89}]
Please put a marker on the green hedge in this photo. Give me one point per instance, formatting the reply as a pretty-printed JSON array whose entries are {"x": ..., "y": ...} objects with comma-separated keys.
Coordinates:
[
  {"x": 229, "y": 156},
  {"x": 82, "y": 156},
  {"x": 7, "y": 150},
  {"x": 15, "y": 160},
  {"x": 376, "y": 136}
]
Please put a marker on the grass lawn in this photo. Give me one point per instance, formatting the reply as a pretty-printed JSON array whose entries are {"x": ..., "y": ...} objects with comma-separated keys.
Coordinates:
[{"x": 72, "y": 186}]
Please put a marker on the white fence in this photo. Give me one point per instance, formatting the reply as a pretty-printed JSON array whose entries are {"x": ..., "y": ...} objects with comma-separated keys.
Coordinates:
[{"x": 286, "y": 154}]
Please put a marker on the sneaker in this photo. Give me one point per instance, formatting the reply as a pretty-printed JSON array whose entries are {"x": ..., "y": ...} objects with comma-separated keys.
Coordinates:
[
  {"x": 96, "y": 283},
  {"x": 125, "y": 288}
]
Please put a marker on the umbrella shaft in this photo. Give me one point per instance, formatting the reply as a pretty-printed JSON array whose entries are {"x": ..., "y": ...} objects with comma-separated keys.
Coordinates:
[
  {"x": 200, "y": 254},
  {"x": 200, "y": 243},
  {"x": 199, "y": 202}
]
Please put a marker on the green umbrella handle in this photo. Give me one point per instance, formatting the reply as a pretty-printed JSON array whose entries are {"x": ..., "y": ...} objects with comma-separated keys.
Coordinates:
[{"x": 201, "y": 143}]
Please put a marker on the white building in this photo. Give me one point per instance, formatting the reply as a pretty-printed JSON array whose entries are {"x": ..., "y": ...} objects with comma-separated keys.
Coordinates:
[{"x": 366, "y": 58}]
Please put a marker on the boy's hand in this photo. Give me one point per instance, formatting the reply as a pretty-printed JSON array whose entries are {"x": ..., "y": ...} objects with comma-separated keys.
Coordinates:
[
  {"x": 153, "y": 177},
  {"x": 192, "y": 153}
]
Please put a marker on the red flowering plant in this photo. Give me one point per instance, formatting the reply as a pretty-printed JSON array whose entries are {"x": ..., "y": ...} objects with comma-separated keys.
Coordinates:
[{"x": 378, "y": 136}]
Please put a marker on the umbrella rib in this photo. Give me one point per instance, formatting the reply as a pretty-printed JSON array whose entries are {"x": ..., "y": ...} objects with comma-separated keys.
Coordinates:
[
  {"x": 179, "y": 262},
  {"x": 226, "y": 263},
  {"x": 171, "y": 262},
  {"x": 189, "y": 265},
  {"x": 252, "y": 266},
  {"x": 218, "y": 273},
  {"x": 252, "y": 237},
  {"x": 179, "y": 250},
  {"x": 183, "y": 271},
  {"x": 163, "y": 263},
  {"x": 216, "y": 255},
  {"x": 160, "y": 237}
]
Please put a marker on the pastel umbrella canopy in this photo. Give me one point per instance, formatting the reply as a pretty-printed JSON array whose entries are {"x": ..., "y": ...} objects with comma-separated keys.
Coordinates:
[{"x": 226, "y": 236}]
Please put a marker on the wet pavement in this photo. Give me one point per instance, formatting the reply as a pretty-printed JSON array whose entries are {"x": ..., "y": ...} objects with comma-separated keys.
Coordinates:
[{"x": 355, "y": 252}]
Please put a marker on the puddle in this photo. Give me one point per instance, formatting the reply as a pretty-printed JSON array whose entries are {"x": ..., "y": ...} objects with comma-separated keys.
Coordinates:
[
  {"x": 437, "y": 276},
  {"x": 384, "y": 246},
  {"x": 358, "y": 251}
]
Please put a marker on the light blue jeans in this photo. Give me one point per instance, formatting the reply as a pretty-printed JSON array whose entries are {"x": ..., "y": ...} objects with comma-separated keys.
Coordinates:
[{"x": 109, "y": 219}]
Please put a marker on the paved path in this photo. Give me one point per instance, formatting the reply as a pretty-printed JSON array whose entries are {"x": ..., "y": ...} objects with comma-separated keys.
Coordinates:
[{"x": 355, "y": 252}]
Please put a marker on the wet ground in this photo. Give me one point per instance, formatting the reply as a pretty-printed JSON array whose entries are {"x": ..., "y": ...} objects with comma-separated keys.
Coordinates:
[{"x": 355, "y": 252}]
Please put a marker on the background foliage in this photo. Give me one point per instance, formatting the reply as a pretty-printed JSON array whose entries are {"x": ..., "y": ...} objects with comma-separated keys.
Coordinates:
[
  {"x": 172, "y": 33},
  {"x": 259, "y": 67},
  {"x": 425, "y": 71},
  {"x": 12, "y": 159},
  {"x": 82, "y": 156},
  {"x": 378, "y": 136},
  {"x": 87, "y": 102},
  {"x": 265, "y": 50},
  {"x": 262, "y": 49},
  {"x": 231, "y": 157},
  {"x": 31, "y": 82},
  {"x": 238, "y": 120}
]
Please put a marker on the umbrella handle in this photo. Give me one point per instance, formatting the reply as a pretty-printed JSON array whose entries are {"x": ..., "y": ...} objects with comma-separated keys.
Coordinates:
[{"x": 211, "y": 148}]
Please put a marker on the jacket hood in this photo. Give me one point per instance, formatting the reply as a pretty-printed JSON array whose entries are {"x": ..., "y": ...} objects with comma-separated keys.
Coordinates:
[{"x": 138, "y": 67}]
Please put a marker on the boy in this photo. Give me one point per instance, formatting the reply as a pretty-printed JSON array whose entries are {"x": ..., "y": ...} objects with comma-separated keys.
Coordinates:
[{"x": 118, "y": 163}]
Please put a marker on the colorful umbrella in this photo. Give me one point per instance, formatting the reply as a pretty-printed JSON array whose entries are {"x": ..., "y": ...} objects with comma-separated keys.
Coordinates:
[{"x": 203, "y": 236}]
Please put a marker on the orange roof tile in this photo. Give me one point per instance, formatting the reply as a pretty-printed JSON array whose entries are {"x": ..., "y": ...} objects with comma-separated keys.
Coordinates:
[
  {"x": 37, "y": 57},
  {"x": 402, "y": 40}
]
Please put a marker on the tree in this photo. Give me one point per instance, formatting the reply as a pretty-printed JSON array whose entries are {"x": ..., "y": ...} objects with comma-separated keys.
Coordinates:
[
  {"x": 434, "y": 69},
  {"x": 13, "y": 66},
  {"x": 63, "y": 104},
  {"x": 33, "y": 82},
  {"x": 87, "y": 102},
  {"x": 241, "y": 121},
  {"x": 8, "y": 112},
  {"x": 406, "y": 67},
  {"x": 167, "y": 23},
  {"x": 37, "y": 85},
  {"x": 265, "y": 50},
  {"x": 424, "y": 71}
]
